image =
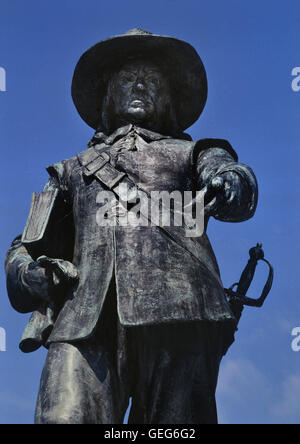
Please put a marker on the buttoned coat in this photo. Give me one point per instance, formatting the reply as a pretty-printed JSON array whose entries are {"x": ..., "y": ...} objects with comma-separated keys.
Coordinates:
[{"x": 157, "y": 280}]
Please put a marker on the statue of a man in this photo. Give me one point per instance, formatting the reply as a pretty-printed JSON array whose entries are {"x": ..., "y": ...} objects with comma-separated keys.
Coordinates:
[{"x": 130, "y": 311}]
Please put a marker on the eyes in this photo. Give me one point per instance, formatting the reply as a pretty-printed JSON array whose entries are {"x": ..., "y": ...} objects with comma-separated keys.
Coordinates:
[
  {"x": 154, "y": 80},
  {"x": 128, "y": 78}
]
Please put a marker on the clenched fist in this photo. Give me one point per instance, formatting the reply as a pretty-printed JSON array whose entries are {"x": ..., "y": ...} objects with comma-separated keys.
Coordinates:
[
  {"x": 44, "y": 276},
  {"x": 224, "y": 193}
]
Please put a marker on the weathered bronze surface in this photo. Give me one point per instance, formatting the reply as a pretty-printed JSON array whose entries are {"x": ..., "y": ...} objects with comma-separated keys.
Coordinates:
[{"x": 130, "y": 311}]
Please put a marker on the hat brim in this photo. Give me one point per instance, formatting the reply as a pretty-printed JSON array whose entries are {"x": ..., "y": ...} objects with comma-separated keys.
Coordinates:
[{"x": 178, "y": 60}]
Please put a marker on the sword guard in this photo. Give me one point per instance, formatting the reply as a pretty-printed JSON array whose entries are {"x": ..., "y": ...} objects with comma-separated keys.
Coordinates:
[{"x": 238, "y": 298}]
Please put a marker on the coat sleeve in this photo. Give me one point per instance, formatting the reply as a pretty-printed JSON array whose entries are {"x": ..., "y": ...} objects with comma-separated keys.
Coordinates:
[
  {"x": 19, "y": 261},
  {"x": 216, "y": 156}
]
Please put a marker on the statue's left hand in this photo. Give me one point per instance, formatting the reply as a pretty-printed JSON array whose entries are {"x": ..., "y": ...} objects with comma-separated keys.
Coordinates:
[
  {"x": 226, "y": 190},
  {"x": 62, "y": 271},
  {"x": 46, "y": 276}
]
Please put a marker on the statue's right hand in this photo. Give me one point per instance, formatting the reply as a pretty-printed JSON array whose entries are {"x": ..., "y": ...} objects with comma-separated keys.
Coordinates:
[{"x": 45, "y": 276}]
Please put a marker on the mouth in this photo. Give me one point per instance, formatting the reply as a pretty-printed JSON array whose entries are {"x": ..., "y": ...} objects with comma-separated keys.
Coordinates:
[{"x": 137, "y": 103}]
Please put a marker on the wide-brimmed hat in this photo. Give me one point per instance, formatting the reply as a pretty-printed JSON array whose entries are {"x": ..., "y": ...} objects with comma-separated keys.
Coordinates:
[{"x": 178, "y": 60}]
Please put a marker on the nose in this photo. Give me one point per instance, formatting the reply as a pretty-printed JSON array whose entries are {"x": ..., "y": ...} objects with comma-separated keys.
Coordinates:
[{"x": 139, "y": 85}]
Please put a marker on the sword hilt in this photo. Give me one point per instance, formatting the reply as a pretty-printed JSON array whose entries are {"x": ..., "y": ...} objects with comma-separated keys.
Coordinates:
[{"x": 238, "y": 298}]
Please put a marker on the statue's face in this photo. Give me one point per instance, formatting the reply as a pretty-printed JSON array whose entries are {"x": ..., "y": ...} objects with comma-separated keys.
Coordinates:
[{"x": 140, "y": 93}]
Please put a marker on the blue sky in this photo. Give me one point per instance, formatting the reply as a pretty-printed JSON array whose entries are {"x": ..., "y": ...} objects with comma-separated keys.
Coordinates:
[{"x": 249, "y": 50}]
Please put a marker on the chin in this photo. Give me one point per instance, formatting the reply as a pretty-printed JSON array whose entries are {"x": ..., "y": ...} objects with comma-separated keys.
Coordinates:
[{"x": 137, "y": 114}]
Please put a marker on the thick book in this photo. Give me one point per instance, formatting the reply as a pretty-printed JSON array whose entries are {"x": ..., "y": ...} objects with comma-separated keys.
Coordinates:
[{"x": 49, "y": 230}]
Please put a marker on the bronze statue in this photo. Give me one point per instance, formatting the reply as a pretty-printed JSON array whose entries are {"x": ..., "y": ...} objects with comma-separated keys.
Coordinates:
[{"x": 128, "y": 311}]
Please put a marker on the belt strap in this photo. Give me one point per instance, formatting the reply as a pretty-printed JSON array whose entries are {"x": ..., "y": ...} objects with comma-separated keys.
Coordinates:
[{"x": 99, "y": 165}]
